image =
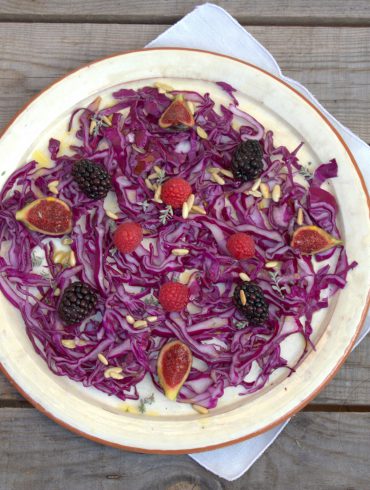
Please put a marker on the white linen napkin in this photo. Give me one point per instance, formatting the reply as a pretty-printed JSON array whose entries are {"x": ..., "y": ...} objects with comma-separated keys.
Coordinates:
[{"x": 211, "y": 28}]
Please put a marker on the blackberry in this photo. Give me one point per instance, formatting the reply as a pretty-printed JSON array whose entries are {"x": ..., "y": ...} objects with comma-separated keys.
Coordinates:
[
  {"x": 77, "y": 303},
  {"x": 256, "y": 309},
  {"x": 92, "y": 179},
  {"x": 247, "y": 162}
]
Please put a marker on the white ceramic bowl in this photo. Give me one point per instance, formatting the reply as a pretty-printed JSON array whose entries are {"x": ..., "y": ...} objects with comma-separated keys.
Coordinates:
[{"x": 293, "y": 119}]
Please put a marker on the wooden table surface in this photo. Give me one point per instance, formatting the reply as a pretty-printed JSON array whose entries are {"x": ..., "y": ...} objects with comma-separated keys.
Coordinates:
[{"x": 325, "y": 44}]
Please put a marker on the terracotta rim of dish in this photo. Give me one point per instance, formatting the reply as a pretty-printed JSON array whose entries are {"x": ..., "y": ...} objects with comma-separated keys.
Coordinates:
[{"x": 300, "y": 405}]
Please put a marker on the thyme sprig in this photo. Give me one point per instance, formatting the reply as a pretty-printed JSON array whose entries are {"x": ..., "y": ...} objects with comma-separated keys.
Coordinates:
[
  {"x": 241, "y": 325},
  {"x": 306, "y": 173},
  {"x": 165, "y": 214},
  {"x": 276, "y": 286},
  {"x": 145, "y": 205},
  {"x": 99, "y": 123},
  {"x": 145, "y": 401},
  {"x": 36, "y": 259},
  {"x": 161, "y": 176}
]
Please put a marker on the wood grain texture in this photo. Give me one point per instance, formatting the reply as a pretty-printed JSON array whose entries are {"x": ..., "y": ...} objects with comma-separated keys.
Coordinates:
[
  {"x": 334, "y": 63},
  {"x": 316, "y": 451},
  {"x": 284, "y": 12}
]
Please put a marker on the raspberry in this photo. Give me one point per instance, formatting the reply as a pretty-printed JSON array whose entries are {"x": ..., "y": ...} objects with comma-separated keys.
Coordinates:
[
  {"x": 173, "y": 296},
  {"x": 128, "y": 236},
  {"x": 175, "y": 192},
  {"x": 240, "y": 246}
]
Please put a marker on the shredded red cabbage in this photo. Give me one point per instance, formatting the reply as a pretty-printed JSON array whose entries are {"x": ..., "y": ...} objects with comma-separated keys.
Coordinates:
[{"x": 128, "y": 284}]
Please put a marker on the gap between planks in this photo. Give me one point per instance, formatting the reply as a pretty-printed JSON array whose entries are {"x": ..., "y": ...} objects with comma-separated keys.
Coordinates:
[
  {"x": 316, "y": 407},
  {"x": 168, "y": 21}
]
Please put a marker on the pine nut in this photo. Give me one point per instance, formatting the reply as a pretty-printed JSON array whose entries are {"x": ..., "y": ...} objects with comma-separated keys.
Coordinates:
[
  {"x": 54, "y": 190},
  {"x": 180, "y": 251},
  {"x": 116, "y": 375},
  {"x": 107, "y": 120},
  {"x": 227, "y": 173},
  {"x": 103, "y": 359},
  {"x": 191, "y": 107},
  {"x": 190, "y": 201},
  {"x": 263, "y": 204},
  {"x": 57, "y": 292},
  {"x": 185, "y": 210},
  {"x": 199, "y": 210},
  {"x": 149, "y": 184},
  {"x": 200, "y": 409},
  {"x": 72, "y": 259},
  {"x": 138, "y": 149},
  {"x": 111, "y": 215},
  {"x": 140, "y": 324},
  {"x": 151, "y": 319},
  {"x": 219, "y": 180},
  {"x": 254, "y": 193},
  {"x": 164, "y": 86},
  {"x": 265, "y": 191},
  {"x": 300, "y": 217},
  {"x": 130, "y": 319},
  {"x": 68, "y": 343},
  {"x": 256, "y": 185},
  {"x": 213, "y": 170},
  {"x": 272, "y": 264},
  {"x": 201, "y": 133},
  {"x": 111, "y": 372},
  {"x": 244, "y": 277},
  {"x": 243, "y": 298},
  {"x": 276, "y": 193},
  {"x": 115, "y": 369},
  {"x": 157, "y": 193},
  {"x": 157, "y": 169},
  {"x": 67, "y": 241},
  {"x": 92, "y": 126}
]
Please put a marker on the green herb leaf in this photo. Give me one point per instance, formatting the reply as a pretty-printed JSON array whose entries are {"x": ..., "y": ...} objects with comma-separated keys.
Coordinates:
[
  {"x": 99, "y": 124},
  {"x": 276, "y": 286},
  {"x": 161, "y": 177},
  {"x": 306, "y": 173},
  {"x": 165, "y": 214},
  {"x": 145, "y": 205},
  {"x": 241, "y": 325},
  {"x": 151, "y": 301},
  {"x": 36, "y": 259},
  {"x": 113, "y": 251},
  {"x": 145, "y": 401}
]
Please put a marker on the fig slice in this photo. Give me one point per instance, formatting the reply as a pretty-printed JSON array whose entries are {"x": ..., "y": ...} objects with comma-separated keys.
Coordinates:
[
  {"x": 310, "y": 240},
  {"x": 177, "y": 114},
  {"x": 48, "y": 215},
  {"x": 173, "y": 367}
]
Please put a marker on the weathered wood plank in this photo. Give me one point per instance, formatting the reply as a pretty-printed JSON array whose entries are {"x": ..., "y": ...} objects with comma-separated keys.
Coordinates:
[
  {"x": 333, "y": 62},
  {"x": 351, "y": 386},
  {"x": 316, "y": 451},
  {"x": 287, "y": 12}
]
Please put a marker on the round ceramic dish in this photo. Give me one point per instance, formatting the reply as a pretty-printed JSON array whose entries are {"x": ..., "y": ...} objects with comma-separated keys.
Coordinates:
[{"x": 293, "y": 119}]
